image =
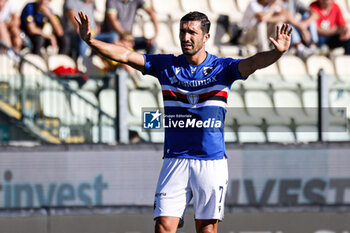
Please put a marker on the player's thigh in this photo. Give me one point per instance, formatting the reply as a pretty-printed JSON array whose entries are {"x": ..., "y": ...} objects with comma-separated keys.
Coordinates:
[
  {"x": 172, "y": 192},
  {"x": 209, "y": 184}
]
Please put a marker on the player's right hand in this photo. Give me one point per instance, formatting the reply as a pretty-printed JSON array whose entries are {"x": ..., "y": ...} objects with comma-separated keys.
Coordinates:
[{"x": 84, "y": 27}]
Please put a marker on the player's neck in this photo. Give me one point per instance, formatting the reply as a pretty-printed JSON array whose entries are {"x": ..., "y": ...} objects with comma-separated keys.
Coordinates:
[{"x": 196, "y": 59}]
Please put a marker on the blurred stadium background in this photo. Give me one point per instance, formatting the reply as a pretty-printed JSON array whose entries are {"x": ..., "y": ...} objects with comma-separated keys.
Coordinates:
[{"x": 74, "y": 158}]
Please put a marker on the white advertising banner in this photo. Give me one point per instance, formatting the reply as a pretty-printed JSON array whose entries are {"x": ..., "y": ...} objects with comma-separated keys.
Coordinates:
[{"x": 257, "y": 177}]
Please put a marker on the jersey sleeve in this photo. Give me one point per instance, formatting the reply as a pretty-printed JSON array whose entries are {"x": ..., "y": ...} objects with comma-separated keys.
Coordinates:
[
  {"x": 232, "y": 72},
  {"x": 28, "y": 14},
  {"x": 340, "y": 21},
  {"x": 111, "y": 7},
  {"x": 158, "y": 65},
  {"x": 69, "y": 5}
]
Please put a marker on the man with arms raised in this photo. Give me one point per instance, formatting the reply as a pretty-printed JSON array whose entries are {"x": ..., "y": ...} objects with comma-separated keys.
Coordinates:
[{"x": 195, "y": 83}]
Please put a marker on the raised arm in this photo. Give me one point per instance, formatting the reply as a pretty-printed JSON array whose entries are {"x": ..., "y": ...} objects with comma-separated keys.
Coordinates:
[
  {"x": 115, "y": 52},
  {"x": 263, "y": 59}
]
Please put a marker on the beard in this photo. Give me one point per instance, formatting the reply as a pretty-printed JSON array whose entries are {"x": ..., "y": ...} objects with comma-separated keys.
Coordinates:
[{"x": 192, "y": 51}]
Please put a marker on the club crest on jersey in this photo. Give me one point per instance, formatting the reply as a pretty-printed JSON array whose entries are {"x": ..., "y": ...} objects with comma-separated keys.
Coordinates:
[
  {"x": 192, "y": 99},
  {"x": 207, "y": 70}
]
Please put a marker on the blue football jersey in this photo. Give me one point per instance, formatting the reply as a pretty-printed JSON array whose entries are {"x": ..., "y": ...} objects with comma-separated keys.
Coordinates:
[{"x": 195, "y": 101}]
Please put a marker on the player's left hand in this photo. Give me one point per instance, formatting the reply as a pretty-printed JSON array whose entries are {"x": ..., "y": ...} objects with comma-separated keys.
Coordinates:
[{"x": 283, "y": 38}]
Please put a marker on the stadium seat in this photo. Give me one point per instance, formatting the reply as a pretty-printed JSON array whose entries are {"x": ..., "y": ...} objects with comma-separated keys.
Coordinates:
[
  {"x": 57, "y": 7},
  {"x": 57, "y": 60},
  {"x": 157, "y": 137},
  {"x": 92, "y": 85},
  {"x": 100, "y": 9},
  {"x": 242, "y": 5},
  {"x": 233, "y": 51},
  {"x": 107, "y": 99},
  {"x": 279, "y": 133},
  {"x": 230, "y": 135},
  {"x": 342, "y": 68},
  {"x": 9, "y": 73},
  {"x": 334, "y": 133},
  {"x": 198, "y": 5},
  {"x": 94, "y": 67},
  {"x": 236, "y": 111},
  {"x": 33, "y": 77},
  {"x": 165, "y": 40},
  {"x": 90, "y": 65},
  {"x": 338, "y": 133},
  {"x": 139, "y": 99},
  {"x": 257, "y": 99},
  {"x": 22, "y": 4},
  {"x": 107, "y": 134},
  {"x": 166, "y": 8},
  {"x": 248, "y": 133},
  {"x": 225, "y": 7},
  {"x": 259, "y": 104},
  {"x": 269, "y": 74},
  {"x": 55, "y": 104},
  {"x": 84, "y": 109},
  {"x": 293, "y": 70},
  {"x": 175, "y": 27},
  {"x": 310, "y": 101},
  {"x": 344, "y": 8},
  {"x": 148, "y": 81},
  {"x": 137, "y": 29},
  {"x": 340, "y": 99},
  {"x": 306, "y": 133},
  {"x": 307, "y": 2},
  {"x": 149, "y": 30},
  {"x": 251, "y": 83},
  {"x": 316, "y": 62},
  {"x": 288, "y": 105},
  {"x": 219, "y": 35}
]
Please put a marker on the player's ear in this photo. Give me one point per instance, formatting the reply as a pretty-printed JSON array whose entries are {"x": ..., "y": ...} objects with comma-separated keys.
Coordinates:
[{"x": 206, "y": 37}]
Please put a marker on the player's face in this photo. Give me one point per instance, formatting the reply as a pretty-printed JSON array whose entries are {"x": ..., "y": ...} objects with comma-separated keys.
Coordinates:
[{"x": 192, "y": 37}]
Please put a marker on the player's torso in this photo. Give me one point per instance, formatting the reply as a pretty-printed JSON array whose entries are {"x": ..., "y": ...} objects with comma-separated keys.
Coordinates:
[{"x": 189, "y": 86}]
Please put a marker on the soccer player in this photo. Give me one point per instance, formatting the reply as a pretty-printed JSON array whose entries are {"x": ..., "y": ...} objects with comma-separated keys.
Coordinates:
[{"x": 195, "y": 83}]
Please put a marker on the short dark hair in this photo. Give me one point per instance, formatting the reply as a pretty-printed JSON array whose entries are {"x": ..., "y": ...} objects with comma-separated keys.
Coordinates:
[{"x": 197, "y": 16}]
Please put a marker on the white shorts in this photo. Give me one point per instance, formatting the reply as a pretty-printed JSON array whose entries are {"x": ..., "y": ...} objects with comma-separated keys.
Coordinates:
[{"x": 182, "y": 179}]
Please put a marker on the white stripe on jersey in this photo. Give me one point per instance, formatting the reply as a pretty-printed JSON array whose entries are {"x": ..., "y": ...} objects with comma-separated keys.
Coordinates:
[
  {"x": 216, "y": 103},
  {"x": 198, "y": 92}
]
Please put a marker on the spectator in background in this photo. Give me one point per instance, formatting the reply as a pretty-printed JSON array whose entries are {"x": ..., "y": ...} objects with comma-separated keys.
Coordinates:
[
  {"x": 304, "y": 35},
  {"x": 120, "y": 17},
  {"x": 71, "y": 8},
  {"x": 331, "y": 25},
  {"x": 259, "y": 21},
  {"x": 35, "y": 16},
  {"x": 10, "y": 32}
]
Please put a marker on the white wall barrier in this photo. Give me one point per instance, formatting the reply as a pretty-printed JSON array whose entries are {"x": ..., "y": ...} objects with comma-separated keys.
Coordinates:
[{"x": 260, "y": 175}]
